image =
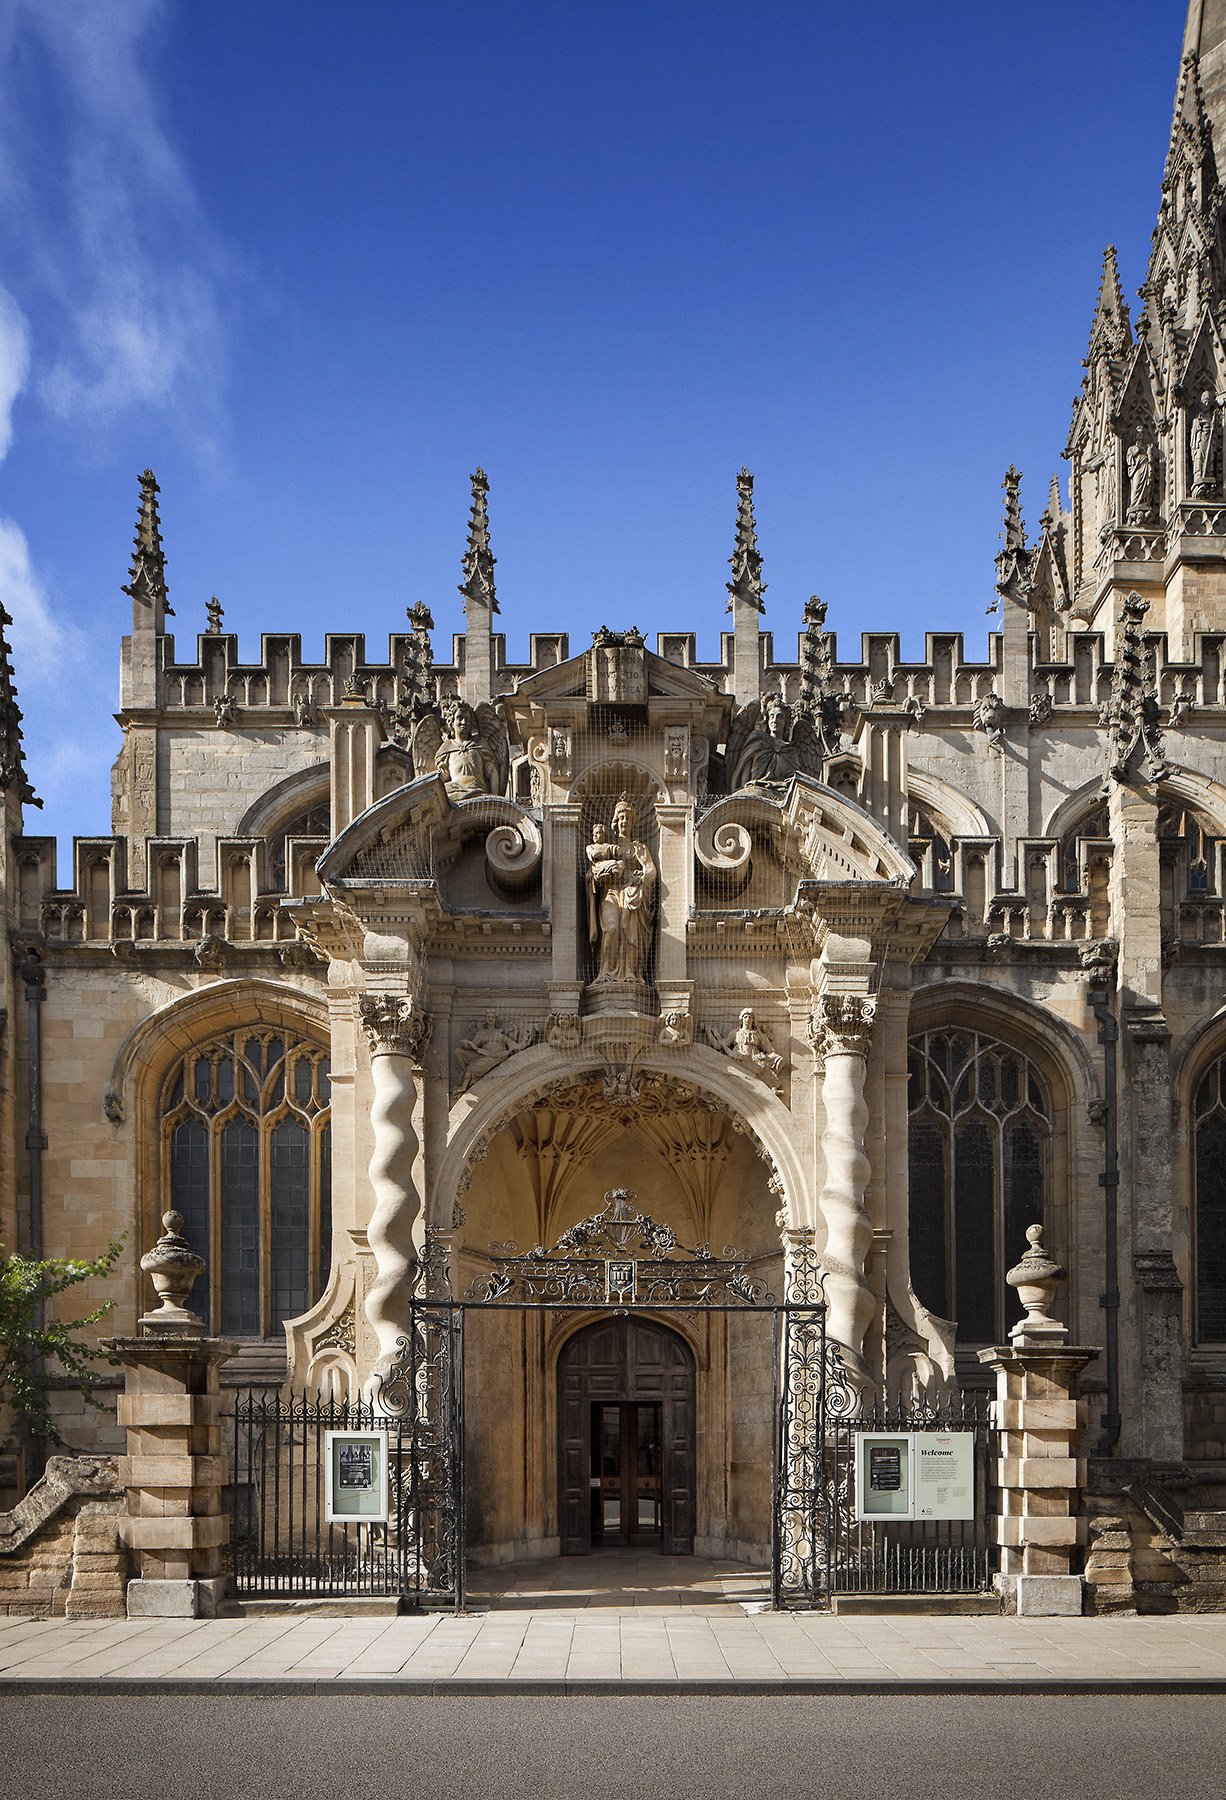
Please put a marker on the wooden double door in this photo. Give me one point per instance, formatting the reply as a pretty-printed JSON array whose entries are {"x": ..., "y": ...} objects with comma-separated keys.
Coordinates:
[{"x": 626, "y": 1439}]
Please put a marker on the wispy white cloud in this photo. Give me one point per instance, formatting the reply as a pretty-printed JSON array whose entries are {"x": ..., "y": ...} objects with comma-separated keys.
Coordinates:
[
  {"x": 131, "y": 273},
  {"x": 41, "y": 643},
  {"x": 14, "y": 363}
]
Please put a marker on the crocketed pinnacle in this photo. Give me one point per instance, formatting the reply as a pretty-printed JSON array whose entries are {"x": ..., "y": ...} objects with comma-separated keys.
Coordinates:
[
  {"x": 1014, "y": 530},
  {"x": 12, "y": 746},
  {"x": 747, "y": 586},
  {"x": 477, "y": 586},
  {"x": 1111, "y": 330},
  {"x": 147, "y": 576}
]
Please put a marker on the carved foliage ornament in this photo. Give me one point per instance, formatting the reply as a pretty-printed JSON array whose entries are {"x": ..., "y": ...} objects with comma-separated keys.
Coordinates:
[
  {"x": 394, "y": 1025},
  {"x": 846, "y": 1022}
]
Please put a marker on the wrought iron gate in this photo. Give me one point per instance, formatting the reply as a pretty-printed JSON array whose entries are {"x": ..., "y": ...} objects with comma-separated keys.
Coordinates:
[{"x": 621, "y": 1262}]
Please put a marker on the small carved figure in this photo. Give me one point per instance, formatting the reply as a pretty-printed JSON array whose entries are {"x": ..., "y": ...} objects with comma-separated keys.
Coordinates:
[
  {"x": 464, "y": 744},
  {"x": 914, "y": 708},
  {"x": 1142, "y": 465},
  {"x": 676, "y": 1029},
  {"x": 750, "y": 1045},
  {"x": 1182, "y": 704},
  {"x": 563, "y": 1031},
  {"x": 488, "y": 1046},
  {"x": 304, "y": 707},
  {"x": 223, "y": 709},
  {"x": 1040, "y": 708},
  {"x": 113, "y": 1107},
  {"x": 767, "y": 745},
  {"x": 621, "y": 884},
  {"x": 1202, "y": 443},
  {"x": 990, "y": 718}
]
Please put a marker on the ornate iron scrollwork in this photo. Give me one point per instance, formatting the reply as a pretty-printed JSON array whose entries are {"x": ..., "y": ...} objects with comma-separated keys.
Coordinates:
[{"x": 589, "y": 1263}]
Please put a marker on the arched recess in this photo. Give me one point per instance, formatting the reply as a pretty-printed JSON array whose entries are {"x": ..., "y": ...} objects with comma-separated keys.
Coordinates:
[
  {"x": 1072, "y": 1081},
  {"x": 1198, "y": 1085},
  {"x": 287, "y": 799},
  {"x": 1186, "y": 786},
  {"x": 954, "y": 812},
  {"x": 491, "y": 1103},
  {"x": 150, "y": 1050}
]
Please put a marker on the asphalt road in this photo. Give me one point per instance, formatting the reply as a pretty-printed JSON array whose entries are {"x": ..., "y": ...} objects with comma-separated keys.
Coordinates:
[{"x": 340, "y": 1747}]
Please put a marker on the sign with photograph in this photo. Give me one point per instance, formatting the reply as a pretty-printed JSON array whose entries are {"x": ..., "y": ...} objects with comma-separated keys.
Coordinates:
[
  {"x": 355, "y": 1476},
  {"x": 883, "y": 1475},
  {"x": 944, "y": 1474}
]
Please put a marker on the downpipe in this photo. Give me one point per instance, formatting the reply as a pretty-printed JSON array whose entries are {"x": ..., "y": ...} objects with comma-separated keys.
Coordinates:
[{"x": 1109, "y": 1181}]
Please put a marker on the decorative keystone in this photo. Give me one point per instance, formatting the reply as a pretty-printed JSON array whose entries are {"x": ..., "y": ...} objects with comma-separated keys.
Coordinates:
[
  {"x": 172, "y": 1266},
  {"x": 1036, "y": 1279}
]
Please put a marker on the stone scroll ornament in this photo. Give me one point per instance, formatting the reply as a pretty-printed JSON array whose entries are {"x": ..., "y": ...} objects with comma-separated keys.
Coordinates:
[
  {"x": 621, "y": 889},
  {"x": 396, "y": 1034},
  {"x": 466, "y": 745}
]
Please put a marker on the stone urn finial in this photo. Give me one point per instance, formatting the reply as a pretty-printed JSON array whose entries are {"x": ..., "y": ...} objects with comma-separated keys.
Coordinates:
[
  {"x": 1036, "y": 1279},
  {"x": 172, "y": 1265}
]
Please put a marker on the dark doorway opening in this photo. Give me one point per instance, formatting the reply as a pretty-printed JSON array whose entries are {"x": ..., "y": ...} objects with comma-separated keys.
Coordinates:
[
  {"x": 626, "y": 1439},
  {"x": 626, "y": 1490}
]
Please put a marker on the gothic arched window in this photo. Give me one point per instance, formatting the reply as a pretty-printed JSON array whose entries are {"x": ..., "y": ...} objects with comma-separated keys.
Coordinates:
[
  {"x": 1209, "y": 1161},
  {"x": 978, "y": 1152},
  {"x": 246, "y": 1158}
]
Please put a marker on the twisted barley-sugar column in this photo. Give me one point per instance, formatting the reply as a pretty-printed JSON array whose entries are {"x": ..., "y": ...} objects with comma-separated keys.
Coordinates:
[
  {"x": 847, "y": 1021},
  {"x": 396, "y": 1033}
]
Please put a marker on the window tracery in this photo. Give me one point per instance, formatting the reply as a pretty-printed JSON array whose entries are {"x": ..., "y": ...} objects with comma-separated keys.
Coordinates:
[
  {"x": 246, "y": 1159},
  {"x": 979, "y": 1153}
]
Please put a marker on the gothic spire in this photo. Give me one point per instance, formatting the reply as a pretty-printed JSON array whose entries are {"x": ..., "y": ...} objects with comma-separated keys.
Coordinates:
[
  {"x": 147, "y": 577},
  {"x": 477, "y": 586},
  {"x": 12, "y": 747},
  {"x": 747, "y": 585}
]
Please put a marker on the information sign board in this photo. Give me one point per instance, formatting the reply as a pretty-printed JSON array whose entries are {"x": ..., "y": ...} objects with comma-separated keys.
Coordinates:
[
  {"x": 883, "y": 1475},
  {"x": 355, "y": 1476},
  {"x": 944, "y": 1474}
]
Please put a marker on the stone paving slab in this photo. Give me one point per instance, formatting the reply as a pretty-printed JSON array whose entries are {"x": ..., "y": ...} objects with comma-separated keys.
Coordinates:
[{"x": 589, "y": 1651}]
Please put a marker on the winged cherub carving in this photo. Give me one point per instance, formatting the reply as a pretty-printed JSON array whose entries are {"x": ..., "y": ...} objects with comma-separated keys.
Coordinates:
[
  {"x": 768, "y": 743},
  {"x": 464, "y": 744}
]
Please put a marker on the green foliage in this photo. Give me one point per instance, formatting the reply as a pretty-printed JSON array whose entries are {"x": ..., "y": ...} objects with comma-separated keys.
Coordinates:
[{"x": 32, "y": 1339}]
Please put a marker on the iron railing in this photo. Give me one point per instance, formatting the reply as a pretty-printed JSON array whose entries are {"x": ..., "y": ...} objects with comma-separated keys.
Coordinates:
[{"x": 894, "y": 1556}]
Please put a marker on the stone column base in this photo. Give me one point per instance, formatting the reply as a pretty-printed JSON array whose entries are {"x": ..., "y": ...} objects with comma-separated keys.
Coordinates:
[
  {"x": 157, "y": 1599},
  {"x": 1042, "y": 1596}
]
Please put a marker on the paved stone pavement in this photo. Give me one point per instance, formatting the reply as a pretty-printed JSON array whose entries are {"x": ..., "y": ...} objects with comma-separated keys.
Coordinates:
[{"x": 620, "y": 1649}]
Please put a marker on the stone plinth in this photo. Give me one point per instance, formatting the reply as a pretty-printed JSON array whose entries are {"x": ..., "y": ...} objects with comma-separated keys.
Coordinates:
[
  {"x": 1039, "y": 1474},
  {"x": 174, "y": 1472}
]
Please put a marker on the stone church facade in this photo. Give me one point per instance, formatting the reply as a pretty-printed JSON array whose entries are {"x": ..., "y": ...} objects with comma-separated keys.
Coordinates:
[{"x": 405, "y": 959}]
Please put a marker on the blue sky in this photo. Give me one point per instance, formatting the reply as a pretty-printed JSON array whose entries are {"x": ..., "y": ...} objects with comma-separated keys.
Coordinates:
[{"x": 314, "y": 263}]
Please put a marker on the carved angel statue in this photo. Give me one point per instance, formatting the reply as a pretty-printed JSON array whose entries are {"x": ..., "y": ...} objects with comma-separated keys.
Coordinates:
[
  {"x": 464, "y": 744},
  {"x": 750, "y": 1045},
  {"x": 621, "y": 889},
  {"x": 488, "y": 1046},
  {"x": 768, "y": 744}
]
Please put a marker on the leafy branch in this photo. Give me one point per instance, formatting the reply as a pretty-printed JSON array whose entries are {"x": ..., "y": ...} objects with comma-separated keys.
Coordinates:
[{"x": 32, "y": 1339}]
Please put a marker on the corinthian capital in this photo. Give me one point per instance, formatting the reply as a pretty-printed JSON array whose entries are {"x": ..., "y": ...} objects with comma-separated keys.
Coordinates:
[
  {"x": 394, "y": 1025},
  {"x": 846, "y": 1023}
]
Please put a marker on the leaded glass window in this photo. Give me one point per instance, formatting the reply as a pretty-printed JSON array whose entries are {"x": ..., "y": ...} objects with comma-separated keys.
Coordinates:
[
  {"x": 246, "y": 1149},
  {"x": 1209, "y": 1125},
  {"x": 980, "y": 1128}
]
